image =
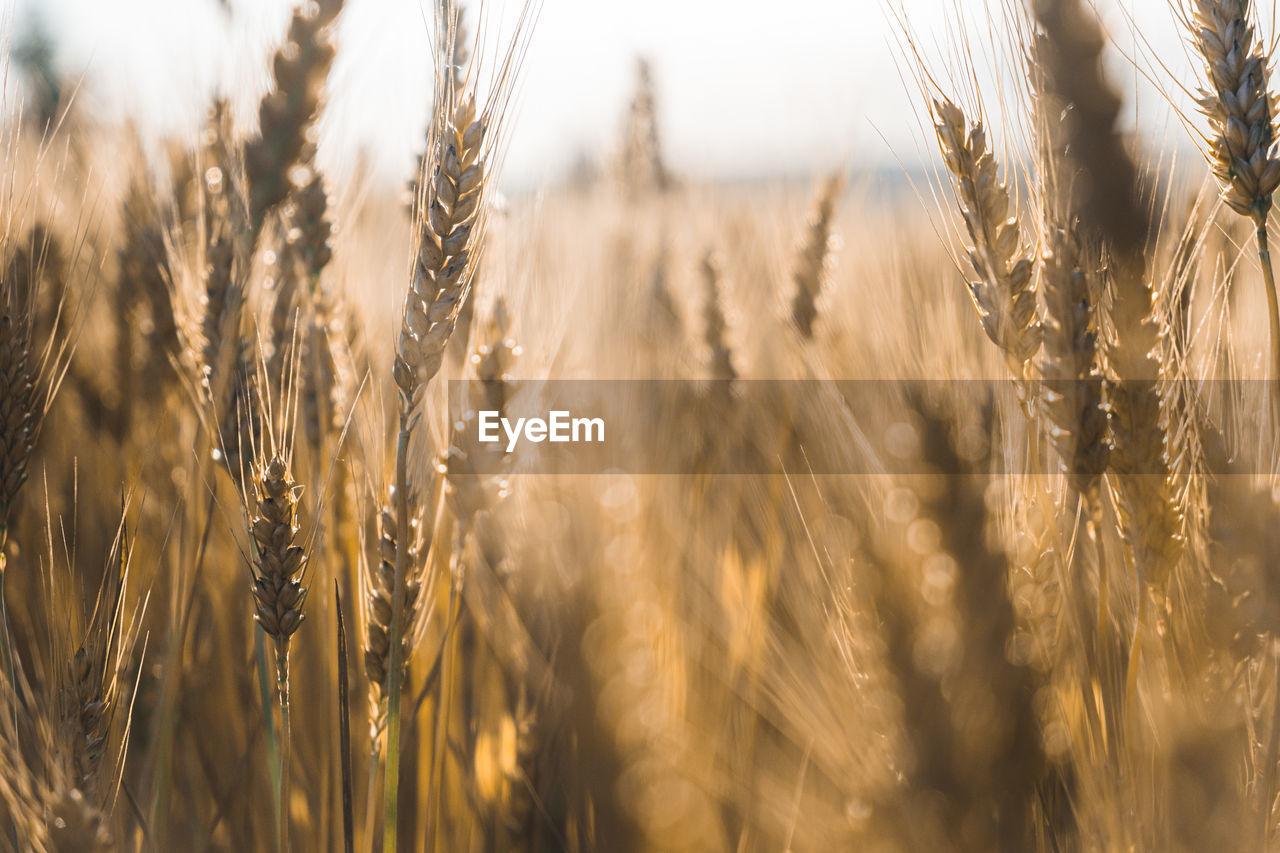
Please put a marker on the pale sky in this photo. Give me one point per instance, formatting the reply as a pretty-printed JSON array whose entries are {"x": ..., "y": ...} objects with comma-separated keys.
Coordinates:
[{"x": 746, "y": 87}]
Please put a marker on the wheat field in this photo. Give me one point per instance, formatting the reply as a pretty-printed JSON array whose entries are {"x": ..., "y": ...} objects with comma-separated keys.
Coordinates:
[{"x": 936, "y": 516}]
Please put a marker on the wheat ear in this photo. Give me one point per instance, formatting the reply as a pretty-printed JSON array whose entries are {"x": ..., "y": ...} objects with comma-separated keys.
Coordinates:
[
  {"x": 453, "y": 51},
  {"x": 214, "y": 346},
  {"x": 299, "y": 314},
  {"x": 286, "y": 113},
  {"x": 377, "y": 647},
  {"x": 811, "y": 262},
  {"x": 1071, "y": 396},
  {"x": 470, "y": 492},
  {"x": 144, "y": 276},
  {"x": 277, "y": 589},
  {"x": 17, "y": 411},
  {"x": 715, "y": 324},
  {"x": 496, "y": 356},
  {"x": 1003, "y": 293},
  {"x": 22, "y": 402},
  {"x": 643, "y": 168},
  {"x": 1242, "y": 142},
  {"x": 450, "y": 229}
]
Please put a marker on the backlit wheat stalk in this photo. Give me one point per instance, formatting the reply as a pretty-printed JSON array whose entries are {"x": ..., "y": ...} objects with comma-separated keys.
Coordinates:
[
  {"x": 1238, "y": 104},
  {"x": 1003, "y": 293}
]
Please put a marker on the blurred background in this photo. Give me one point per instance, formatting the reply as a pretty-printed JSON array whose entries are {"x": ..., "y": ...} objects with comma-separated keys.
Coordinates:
[
  {"x": 629, "y": 663},
  {"x": 747, "y": 89}
]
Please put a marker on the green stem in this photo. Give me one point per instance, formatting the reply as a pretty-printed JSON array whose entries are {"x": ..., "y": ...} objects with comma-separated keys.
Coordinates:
[
  {"x": 1135, "y": 655},
  {"x": 1104, "y": 652},
  {"x": 1104, "y": 595},
  {"x": 1273, "y": 751},
  {"x": 371, "y": 794},
  {"x": 181, "y": 604},
  {"x": 1273, "y": 304},
  {"x": 440, "y": 716},
  {"x": 344, "y": 730},
  {"x": 282, "y": 683},
  {"x": 6, "y": 654},
  {"x": 268, "y": 718},
  {"x": 391, "y": 785}
]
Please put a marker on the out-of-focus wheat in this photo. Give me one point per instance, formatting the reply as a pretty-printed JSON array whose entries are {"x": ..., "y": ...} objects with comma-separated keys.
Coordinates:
[{"x": 812, "y": 260}]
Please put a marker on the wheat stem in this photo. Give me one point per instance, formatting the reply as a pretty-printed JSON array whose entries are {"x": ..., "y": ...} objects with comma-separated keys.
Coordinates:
[
  {"x": 278, "y": 597},
  {"x": 440, "y": 714},
  {"x": 395, "y": 665},
  {"x": 344, "y": 728},
  {"x": 268, "y": 719},
  {"x": 1103, "y": 650},
  {"x": 1273, "y": 304},
  {"x": 6, "y": 649},
  {"x": 371, "y": 793},
  {"x": 1135, "y": 652},
  {"x": 1104, "y": 586},
  {"x": 282, "y": 679},
  {"x": 5, "y": 653}
]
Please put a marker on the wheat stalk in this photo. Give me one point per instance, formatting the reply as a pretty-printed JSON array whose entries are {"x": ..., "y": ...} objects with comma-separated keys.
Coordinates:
[
  {"x": 1104, "y": 197},
  {"x": 1071, "y": 397},
  {"x": 450, "y": 231},
  {"x": 1016, "y": 765},
  {"x": 87, "y": 709},
  {"x": 278, "y": 593},
  {"x": 447, "y": 234}
]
